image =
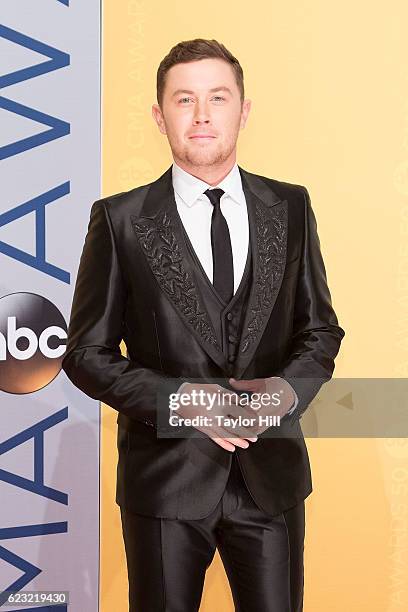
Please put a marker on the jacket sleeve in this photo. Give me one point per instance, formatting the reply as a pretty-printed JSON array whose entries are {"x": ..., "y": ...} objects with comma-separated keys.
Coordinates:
[
  {"x": 93, "y": 359},
  {"x": 316, "y": 333}
]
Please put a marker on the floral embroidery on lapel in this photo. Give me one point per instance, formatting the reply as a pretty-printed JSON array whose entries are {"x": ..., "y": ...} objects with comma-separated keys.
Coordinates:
[
  {"x": 271, "y": 236},
  {"x": 163, "y": 253}
]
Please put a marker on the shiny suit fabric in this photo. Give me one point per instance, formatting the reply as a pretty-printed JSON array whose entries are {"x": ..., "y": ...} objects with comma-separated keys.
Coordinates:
[
  {"x": 263, "y": 556},
  {"x": 137, "y": 282}
]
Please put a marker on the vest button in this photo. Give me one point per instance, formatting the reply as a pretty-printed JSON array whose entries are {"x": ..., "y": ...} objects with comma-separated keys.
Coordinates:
[
  {"x": 232, "y": 338},
  {"x": 231, "y": 358},
  {"x": 229, "y": 316}
]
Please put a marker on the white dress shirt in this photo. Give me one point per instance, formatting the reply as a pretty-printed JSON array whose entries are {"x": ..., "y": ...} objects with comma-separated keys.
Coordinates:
[{"x": 195, "y": 210}]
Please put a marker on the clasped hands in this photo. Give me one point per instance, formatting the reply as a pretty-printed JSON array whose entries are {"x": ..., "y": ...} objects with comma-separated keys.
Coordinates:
[{"x": 226, "y": 431}]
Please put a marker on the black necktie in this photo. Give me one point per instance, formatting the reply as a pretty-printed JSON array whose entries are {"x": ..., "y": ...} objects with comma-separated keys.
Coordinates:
[{"x": 223, "y": 270}]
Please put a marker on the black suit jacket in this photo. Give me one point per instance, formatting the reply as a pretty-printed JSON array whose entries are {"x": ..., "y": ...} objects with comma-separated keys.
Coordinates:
[{"x": 136, "y": 283}]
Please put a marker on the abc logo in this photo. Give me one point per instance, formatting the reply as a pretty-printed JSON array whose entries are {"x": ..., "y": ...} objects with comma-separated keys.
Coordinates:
[{"x": 32, "y": 334}]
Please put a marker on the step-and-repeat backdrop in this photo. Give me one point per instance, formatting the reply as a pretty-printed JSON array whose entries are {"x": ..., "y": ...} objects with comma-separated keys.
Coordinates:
[
  {"x": 49, "y": 177},
  {"x": 329, "y": 92}
]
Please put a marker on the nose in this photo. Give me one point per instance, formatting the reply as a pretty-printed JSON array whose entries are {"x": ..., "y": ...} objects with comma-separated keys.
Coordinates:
[{"x": 201, "y": 114}]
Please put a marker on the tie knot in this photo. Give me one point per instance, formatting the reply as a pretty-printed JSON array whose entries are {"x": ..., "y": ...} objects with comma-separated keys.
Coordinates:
[{"x": 214, "y": 195}]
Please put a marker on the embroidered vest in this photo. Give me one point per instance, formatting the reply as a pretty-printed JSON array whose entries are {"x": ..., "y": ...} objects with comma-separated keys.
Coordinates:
[{"x": 227, "y": 319}]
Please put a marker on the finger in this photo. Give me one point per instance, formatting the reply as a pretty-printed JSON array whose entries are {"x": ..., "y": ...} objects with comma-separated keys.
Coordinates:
[
  {"x": 220, "y": 440},
  {"x": 243, "y": 384},
  {"x": 229, "y": 397},
  {"x": 245, "y": 411},
  {"x": 223, "y": 434},
  {"x": 225, "y": 397},
  {"x": 249, "y": 430},
  {"x": 223, "y": 443},
  {"x": 223, "y": 431},
  {"x": 236, "y": 431},
  {"x": 238, "y": 442}
]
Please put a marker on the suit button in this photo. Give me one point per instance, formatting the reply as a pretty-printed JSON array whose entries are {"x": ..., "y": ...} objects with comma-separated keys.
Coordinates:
[
  {"x": 232, "y": 338},
  {"x": 229, "y": 316},
  {"x": 231, "y": 358}
]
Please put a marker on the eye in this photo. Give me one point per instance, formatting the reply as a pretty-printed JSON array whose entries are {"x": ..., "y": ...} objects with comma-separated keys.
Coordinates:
[
  {"x": 185, "y": 98},
  {"x": 219, "y": 97}
]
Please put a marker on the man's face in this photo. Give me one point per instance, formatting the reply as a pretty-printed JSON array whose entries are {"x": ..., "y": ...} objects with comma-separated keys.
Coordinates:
[{"x": 201, "y": 112}]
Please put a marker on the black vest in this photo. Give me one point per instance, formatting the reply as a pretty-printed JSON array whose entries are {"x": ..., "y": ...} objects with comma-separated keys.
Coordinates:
[{"x": 227, "y": 319}]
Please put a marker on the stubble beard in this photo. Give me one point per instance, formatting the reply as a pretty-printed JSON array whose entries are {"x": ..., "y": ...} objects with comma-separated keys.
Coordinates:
[{"x": 204, "y": 158}]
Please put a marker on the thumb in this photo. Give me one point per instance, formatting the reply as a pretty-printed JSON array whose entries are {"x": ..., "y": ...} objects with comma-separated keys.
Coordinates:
[{"x": 238, "y": 383}]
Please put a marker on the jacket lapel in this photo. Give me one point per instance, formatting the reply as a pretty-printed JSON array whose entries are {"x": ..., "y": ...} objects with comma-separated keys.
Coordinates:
[
  {"x": 268, "y": 222},
  {"x": 159, "y": 232}
]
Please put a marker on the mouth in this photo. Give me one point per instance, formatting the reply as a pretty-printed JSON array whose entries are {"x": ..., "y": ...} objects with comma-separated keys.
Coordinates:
[{"x": 204, "y": 136}]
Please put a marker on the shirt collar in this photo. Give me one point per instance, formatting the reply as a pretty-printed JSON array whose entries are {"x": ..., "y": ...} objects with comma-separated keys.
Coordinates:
[{"x": 190, "y": 188}]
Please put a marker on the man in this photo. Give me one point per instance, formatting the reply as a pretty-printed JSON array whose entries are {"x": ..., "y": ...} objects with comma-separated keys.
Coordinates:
[{"x": 214, "y": 278}]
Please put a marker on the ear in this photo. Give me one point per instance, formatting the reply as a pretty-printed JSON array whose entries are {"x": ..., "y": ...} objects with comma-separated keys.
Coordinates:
[
  {"x": 246, "y": 107},
  {"x": 158, "y": 117}
]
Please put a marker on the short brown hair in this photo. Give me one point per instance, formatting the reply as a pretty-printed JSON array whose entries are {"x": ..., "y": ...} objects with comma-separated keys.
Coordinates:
[{"x": 193, "y": 50}]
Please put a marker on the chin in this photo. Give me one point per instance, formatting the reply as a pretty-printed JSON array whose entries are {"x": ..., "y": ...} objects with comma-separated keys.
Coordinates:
[{"x": 205, "y": 158}]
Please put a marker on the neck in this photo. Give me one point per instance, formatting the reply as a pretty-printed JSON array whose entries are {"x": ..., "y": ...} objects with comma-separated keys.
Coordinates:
[{"x": 212, "y": 175}]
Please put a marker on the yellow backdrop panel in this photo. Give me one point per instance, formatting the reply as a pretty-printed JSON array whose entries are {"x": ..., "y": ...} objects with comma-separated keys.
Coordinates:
[{"x": 329, "y": 88}]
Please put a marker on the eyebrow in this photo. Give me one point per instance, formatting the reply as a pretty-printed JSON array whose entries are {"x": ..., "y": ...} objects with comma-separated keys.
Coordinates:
[{"x": 212, "y": 90}]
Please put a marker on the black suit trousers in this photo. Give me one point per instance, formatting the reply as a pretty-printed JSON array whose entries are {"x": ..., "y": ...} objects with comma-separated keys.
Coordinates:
[{"x": 262, "y": 555}]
